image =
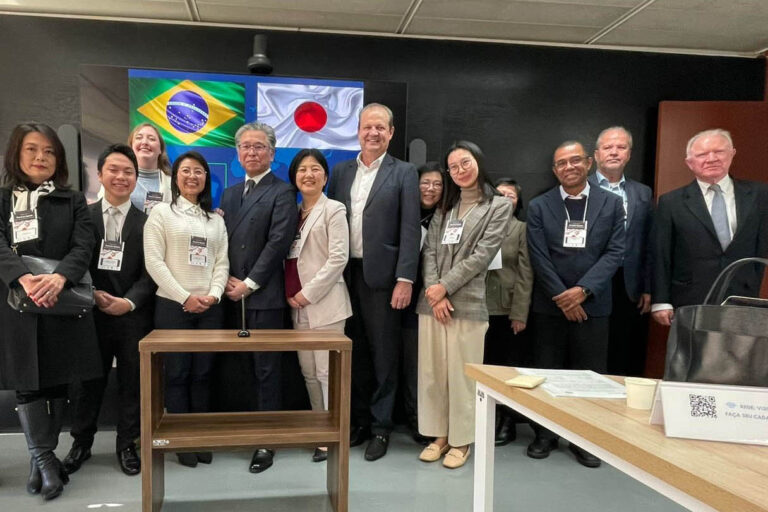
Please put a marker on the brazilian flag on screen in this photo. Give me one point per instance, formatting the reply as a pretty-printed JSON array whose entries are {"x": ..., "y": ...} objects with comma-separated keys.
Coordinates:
[{"x": 189, "y": 113}]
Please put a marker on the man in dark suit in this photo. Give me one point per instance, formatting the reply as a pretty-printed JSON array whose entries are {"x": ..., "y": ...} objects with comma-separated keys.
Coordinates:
[
  {"x": 704, "y": 226},
  {"x": 382, "y": 198},
  {"x": 124, "y": 310},
  {"x": 575, "y": 242},
  {"x": 632, "y": 282},
  {"x": 261, "y": 218}
]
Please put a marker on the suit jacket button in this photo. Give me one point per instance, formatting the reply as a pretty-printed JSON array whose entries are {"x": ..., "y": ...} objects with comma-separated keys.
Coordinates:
[{"x": 242, "y": 247}]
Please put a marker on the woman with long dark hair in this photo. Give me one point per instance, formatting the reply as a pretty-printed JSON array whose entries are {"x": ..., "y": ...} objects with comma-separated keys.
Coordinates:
[
  {"x": 464, "y": 236},
  {"x": 185, "y": 250},
  {"x": 42, "y": 353}
]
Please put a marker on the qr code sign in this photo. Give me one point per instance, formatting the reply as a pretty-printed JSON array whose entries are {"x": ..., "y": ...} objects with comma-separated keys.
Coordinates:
[{"x": 703, "y": 406}]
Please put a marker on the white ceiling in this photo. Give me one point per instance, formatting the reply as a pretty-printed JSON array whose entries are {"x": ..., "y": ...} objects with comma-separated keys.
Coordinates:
[{"x": 722, "y": 27}]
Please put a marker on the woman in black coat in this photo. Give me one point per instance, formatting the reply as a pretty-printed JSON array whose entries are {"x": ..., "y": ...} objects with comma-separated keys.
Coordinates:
[{"x": 41, "y": 354}]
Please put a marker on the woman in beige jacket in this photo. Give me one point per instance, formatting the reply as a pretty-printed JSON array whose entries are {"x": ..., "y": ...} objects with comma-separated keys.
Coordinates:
[
  {"x": 464, "y": 236},
  {"x": 314, "y": 284}
]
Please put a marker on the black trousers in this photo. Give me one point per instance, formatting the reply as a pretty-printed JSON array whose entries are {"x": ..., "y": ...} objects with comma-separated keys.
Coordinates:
[
  {"x": 187, "y": 374},
  {"x": 267, "y": 366},
  {"x": 561, "y": 344},
  {"x": 375, "y": 332},
  {"x": 503, "y": 347},
  {"x": 118, "y": 338},
  {"x": 628, "y": 340},
  {"x": 409, "y": 372}
]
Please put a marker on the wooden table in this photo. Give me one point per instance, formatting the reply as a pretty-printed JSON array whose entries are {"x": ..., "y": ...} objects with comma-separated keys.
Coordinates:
[
  {"x": 699, "y": 475},
  {"x": 162, "y": 432}
]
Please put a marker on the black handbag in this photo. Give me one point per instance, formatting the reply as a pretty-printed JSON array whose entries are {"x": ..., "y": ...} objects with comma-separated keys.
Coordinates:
[
  {"x": 720, "y": 342},
  {"x": 76, "y": 300}
]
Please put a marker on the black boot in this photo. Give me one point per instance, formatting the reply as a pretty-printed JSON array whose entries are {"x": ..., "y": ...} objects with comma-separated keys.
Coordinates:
[
  {"x": 35, "y": 480},
  {"x": 506, "y": 431},
  {"x": 41, "y": 422}
]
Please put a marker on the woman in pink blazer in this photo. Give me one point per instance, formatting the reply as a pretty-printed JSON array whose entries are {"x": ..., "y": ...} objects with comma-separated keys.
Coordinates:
[{"x": 314, "y": 284}]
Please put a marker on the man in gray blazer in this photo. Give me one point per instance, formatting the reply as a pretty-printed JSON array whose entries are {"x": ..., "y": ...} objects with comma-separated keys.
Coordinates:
[
  {"x": 261, "y": 218},
  {"x": 382, "y": 198},
  {"x": 576, "y": 243},
  {"x": 632, "y": 282}
]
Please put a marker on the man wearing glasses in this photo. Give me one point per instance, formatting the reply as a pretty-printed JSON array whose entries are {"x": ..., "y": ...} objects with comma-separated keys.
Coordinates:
[
  {"x": 261, "y": 218},
  {"x": 576, "y": 243},
  {"x": 381, "y": 194}
]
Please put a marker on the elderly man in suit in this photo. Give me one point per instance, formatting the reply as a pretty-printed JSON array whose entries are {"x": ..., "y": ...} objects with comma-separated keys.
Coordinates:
[
  {"x": 381, "y": 194},
  {"x": 704, "y": 226},
  {"x": 632, "y": 283},
  {"x": 576, "y": 243},
  {"x": 123, "y": 314},
  {"x": 261, "y": 218}
]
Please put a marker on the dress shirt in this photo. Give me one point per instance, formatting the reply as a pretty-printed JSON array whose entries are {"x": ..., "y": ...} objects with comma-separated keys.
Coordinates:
[
  {"x": 617, "y": 188},
  {"x": 358, "y": 195},
  {"x": 250, "y": 283},
  {"x": 726, "y": 186},
  {"x": 583, "y": 193},
  {"x": 123, "y": 208}
]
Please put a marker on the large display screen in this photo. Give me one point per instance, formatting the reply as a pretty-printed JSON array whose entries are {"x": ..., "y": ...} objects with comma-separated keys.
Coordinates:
[{"x": 203, "y": 111}]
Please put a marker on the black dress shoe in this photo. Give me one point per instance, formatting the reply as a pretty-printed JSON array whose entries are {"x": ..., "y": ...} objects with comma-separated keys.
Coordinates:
[
  {"x": 506, "y": 431},
  {"x": 129, "y": 461},
  {"x": 540, "y": 448},
  {"x": 359, "y": 435},
  {"x": 420, "y": 439},
  {"x": 319, "y": 455},
  {"x": 75, "y": 458},
  {"x": 261, "y": 460},
  {"x": 584, "y": 457},
  {"x": 377, "y": 448},
  {"x": 204, "y": 457},
  {"x": 187, "y": 459}
]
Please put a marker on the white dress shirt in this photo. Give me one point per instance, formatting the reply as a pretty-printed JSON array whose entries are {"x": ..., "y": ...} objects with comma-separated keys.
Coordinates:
[
  {"x": 358, "y": 196},
  {"x": 123, "y": 208}
]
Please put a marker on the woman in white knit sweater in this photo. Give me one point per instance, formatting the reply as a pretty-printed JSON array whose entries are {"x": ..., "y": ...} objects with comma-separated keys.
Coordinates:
[{"x": 185, "y": 250}]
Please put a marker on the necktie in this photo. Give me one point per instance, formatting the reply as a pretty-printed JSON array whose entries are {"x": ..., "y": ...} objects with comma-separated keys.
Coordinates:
[
  {"x": 720, "y": 217},
  {"x": 112, "y": 230},
  {"x": 248, "y": 187}
]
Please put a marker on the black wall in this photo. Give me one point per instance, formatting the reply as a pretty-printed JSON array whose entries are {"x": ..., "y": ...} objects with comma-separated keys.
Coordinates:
[{"x": 516, "y": 102}]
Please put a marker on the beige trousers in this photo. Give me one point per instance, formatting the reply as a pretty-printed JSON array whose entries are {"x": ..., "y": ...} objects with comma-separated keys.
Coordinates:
[
  {"x": 446, "y": 397},
  {"x": 314, "y": 363}
]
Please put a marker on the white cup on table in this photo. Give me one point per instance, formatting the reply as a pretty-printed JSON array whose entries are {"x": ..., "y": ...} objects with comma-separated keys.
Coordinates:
[{"x": 640, "y": 392}]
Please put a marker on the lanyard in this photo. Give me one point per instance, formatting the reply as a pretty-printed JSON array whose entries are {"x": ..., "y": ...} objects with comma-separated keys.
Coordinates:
[{"x": 586, "y": 204}]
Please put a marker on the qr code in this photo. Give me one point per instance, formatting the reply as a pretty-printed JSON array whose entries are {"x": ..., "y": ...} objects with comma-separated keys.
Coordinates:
[{"x": 703, "y": 406}]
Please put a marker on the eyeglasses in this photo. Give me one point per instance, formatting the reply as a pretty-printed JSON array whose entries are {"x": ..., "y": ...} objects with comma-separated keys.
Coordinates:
[
  {"x": 247, "y": 148},
  {"x": 465, "y": 164},
  {"x": 426, "y": 185},
  {"x": 197, "y": 173},
  {"x": 574, "y": 161}
]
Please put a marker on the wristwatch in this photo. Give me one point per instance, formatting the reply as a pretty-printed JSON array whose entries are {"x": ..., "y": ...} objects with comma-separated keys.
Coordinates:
[{"x": 586, "y": 291}]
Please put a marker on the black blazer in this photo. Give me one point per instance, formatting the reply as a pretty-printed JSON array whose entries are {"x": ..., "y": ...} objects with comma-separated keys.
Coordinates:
[
  {"x": 688, "y": 256},
  {"x": 133, "y": 281},
  {"x": 557, "y": 268},
  {"x": 391, "y": 229},
  {"x": 260, "y": 233},
  {"x": 38, "y": 351},
  {"x": 638, "y": 252}
]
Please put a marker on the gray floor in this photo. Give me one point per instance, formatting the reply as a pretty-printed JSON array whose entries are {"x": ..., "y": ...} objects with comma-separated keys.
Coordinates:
[{"x": 397, "y": 483}]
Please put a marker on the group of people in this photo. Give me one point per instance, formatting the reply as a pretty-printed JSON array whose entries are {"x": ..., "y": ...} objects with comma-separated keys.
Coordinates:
[{"x": 424, "y": 269}]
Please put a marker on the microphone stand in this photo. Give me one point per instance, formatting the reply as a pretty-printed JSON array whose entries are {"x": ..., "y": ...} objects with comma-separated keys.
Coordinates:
[{"x": 244, "y": 333}]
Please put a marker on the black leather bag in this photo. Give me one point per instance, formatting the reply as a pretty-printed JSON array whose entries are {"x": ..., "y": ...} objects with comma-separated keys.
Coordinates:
[
  {"x": 73, "y": 301},
  {"x": 720, "y": 342}
]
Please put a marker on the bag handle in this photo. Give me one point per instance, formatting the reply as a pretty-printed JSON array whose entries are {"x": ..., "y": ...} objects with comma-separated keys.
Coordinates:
[{"x": 723, "y": 281}]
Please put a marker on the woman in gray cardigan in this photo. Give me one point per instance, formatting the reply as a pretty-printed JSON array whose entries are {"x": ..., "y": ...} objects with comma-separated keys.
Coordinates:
[{"x": 464, "y": 236}]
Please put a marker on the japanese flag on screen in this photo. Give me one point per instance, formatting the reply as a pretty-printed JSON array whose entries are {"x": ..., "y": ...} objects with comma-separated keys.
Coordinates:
[{"x": 311, "y": 116}]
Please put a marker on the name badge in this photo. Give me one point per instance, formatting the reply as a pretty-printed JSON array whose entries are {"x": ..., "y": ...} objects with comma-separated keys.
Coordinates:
[
  {"x": 25, "y": 226},
  {"x": 452, "y": 233},
  {"x": 198, "y": 251},
  {"x": 295, "y": 249},
  {"x": 151, "y": 199},
  {"x": 111, "y": 255},
  {"x": 575, "y": 234}
]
